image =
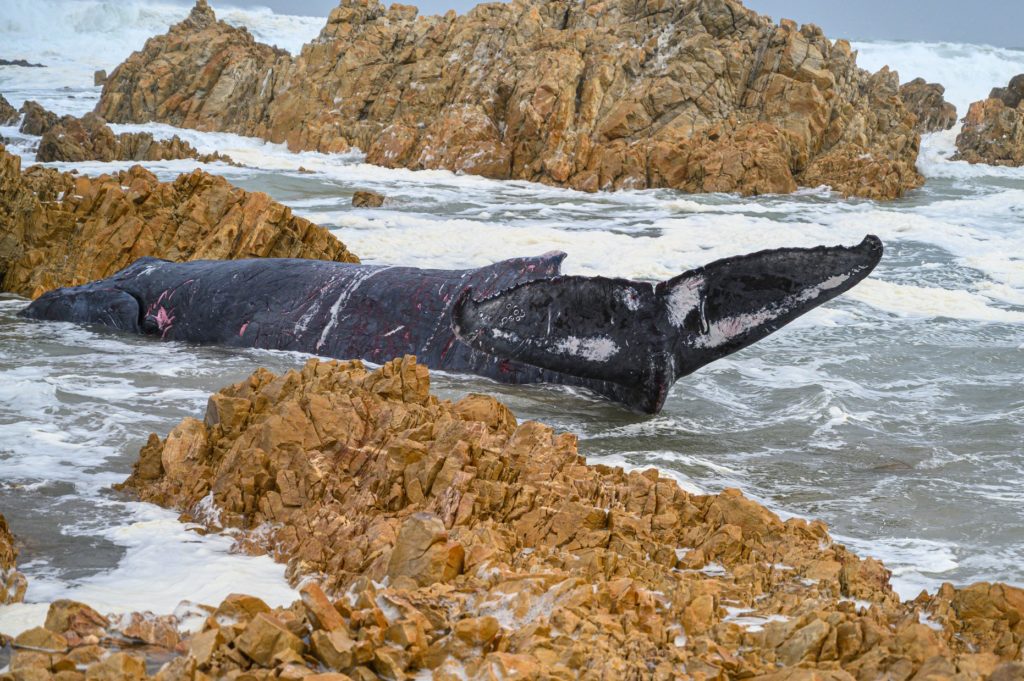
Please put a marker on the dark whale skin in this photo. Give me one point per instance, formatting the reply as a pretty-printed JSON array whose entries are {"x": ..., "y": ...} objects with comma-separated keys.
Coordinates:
[{"x": 517, "y": 321}]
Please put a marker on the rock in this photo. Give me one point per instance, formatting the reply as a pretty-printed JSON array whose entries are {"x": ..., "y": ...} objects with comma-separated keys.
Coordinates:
[
  {"x": 423, "y": 553},
  {"x": 926, "y": 101},
  {"x": 8, "y": 114},
  {"x": 12, "y": 583},
  {"x": 59, "y": 229},
  {"x": 41, "y": 640},
  {"x": 266, "y": 639},
  {"x": 366, "y": 481},
  {"x": 993, "y": 130},
  {"x": 99, "y": 77},
  {"x": 90, "y": 139},
  {"x": 367, "y": 199},
  {"x": 21, "y": 62},
  {"x": 118, "y": 667},
  {"x": 66, "y": 616},
  {"x": 1012, "y": 94},
  {"x": 154, "y": 630},
  {"x": 702, "y": 96},
  {"x": 37, "y": 120}
]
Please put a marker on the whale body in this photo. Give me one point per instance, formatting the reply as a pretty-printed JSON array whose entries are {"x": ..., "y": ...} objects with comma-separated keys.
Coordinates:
[{"x": 516, "y": 321}]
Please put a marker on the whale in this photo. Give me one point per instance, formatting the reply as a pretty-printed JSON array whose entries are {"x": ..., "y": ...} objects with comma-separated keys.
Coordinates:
[{"x": 518, "y": 321}]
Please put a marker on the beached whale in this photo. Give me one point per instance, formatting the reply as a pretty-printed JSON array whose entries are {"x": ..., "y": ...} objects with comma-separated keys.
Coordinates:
[{"x": 517, "y": 321}]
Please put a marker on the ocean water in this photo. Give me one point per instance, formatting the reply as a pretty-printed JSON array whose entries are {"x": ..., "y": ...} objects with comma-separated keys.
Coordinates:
[{"x": 895, "y": 414}]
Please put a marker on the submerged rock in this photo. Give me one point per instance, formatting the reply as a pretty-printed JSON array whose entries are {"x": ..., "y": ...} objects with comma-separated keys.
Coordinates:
[
  {"x": 993, "y": 129},
  {"x": 8, "y": 114},
  {"x": 90, "y": 139},
  {"x": 367, "y": 199},
  {"x": 59, "y": 229},
  {"x": 21, "y": 62},
  {"x": 926, "y": 101},
  {"x": 700, "y": 95},
  {"x": 365, "y": 480}
]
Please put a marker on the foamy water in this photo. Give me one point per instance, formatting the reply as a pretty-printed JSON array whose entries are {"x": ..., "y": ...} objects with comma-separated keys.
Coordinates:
[{"x": 895, "y": 413}]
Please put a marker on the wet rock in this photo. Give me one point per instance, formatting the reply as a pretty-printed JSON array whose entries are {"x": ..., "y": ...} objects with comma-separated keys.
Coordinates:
[
  {"x": 320, "y": 610},
  {"x": 37, "y": 120},
  {"x": 41, "y": 639},
  {"x": 59, "y": 229},
  {"x": 703, "y": 96},
  {"x": 21, "y": 62},
  {"x": 12, "y": 583},
  {"x": 993, "y": 130},
  {"x": 266, "y": 639},
  {"x": 66, "y": 616},
  {"x": 926, "y": 101},
  {"x": 367, "y": 199},
  {"x": 117, "y": 667},
  {"x": 8, "y": 114},
  {"x": 90, "y": 139},
  {"x": 99, "y": 77}
]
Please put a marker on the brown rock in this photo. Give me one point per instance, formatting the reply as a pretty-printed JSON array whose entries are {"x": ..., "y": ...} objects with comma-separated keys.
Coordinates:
[
  {"x": 58, "y": 229},
  {"x": 8, "y": 114},
  {"x": 423, "y": 553},
  {"x": 118, "y": 667},
  {"x": 239, "y": 608},
  {"x": 703, "y": 96},
  {"x": 12, "y": 583},
  {"x": 367, "y": 199},
  {"x": 71, "y": 616},
  {"x": 155, "y": 630},
  {"x": 926, "y": 101},
  {"x": 335, "y": 648},
  {"x": 320, "y": 610},
  {"x": 266, "y": 639},
  {"x": 37, "y": 120},
  {"x": 90, "y": 139},
  {"x": 41, "y": 640},
  {"x": 993, "y": 131},
  {"x": 99, "y": 77}
]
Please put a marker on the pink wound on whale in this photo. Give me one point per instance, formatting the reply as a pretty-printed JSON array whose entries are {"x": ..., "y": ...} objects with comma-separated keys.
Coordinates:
[{"x": 241, "y": 331}]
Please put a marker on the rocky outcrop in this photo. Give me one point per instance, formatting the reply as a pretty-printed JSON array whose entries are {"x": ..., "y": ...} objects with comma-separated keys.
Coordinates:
[
  {"x": 99, "y": 77},
  {"x": 12, "y": 582},
  {"x": 37, "y": 120},
  {"x": 993, "y": 129},
  {"x": 699, "y": 95},
  {"x": 927, "y": 102},
  {"x": 8, "y": 114},
  {"x": 59, "y": 229},
  {"x": 367, "y": 199},
  {"x": 461, "y": 541},
  {"x": 21, "y": 62},
  {"x": 90, "y": 139}
]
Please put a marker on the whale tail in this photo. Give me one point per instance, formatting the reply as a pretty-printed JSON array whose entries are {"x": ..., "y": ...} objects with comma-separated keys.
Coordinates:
[{"x": 632, "y": 340}]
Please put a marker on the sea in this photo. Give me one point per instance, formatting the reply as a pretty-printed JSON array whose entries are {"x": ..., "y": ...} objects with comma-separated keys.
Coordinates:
[{"x": 895, "y": 413}]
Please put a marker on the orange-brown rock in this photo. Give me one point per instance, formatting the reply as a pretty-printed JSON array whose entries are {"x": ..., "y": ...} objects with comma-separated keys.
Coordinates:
[
  {"x": 58, "y": 229},
  {"x": 698, "y": 95},
  {"x": 37, "y": 120},
  {"x": 993, "y": 131},
  {"x": 12, "y": 582},
  {"x": 8, "y": 114},
  {"x": 567, "y": 570},
  {"x": 367, "y": 199},
  {"x": 926, "y": 101},
  {"x": 90, "y": 139}
]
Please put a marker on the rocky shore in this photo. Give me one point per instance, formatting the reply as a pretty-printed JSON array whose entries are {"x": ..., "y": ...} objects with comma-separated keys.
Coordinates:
[
  {"x": 702, "y": 95},
  {"x": 449, "y": 539},
  {"x": 63, "y": 229},
  {"x": 12, "y": 582},
  {"x": 993, "y": 129}
]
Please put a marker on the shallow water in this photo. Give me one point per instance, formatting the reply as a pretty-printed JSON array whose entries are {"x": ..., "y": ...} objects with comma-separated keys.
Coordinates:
[{"x": 895, "y": 413}]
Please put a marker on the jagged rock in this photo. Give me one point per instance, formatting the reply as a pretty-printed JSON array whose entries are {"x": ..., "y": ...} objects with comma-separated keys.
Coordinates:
[
  {"x": 21, "y": 62},
  {"x": 58, "y": 229},
  {"x": 699, "y": 95},
  {"x": 266, "y": 639},
  {"x": 66, "y": 616},
  {"x": 118, "y": 667},
  {"x": 41, "y": 640},
  {"x": 8, "y": 114},
  {"x": 99, "y": 77},
  {"x": 367, "y": 199},
  {"x": 37, "y": 120},
  {"x": 993, "y": 129},
  {"x": 90, "y": 139},
  {"x": 423, "y": 553},
  {"x": 926, "y": 101},
  {"x": 12, "y": 583}
]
